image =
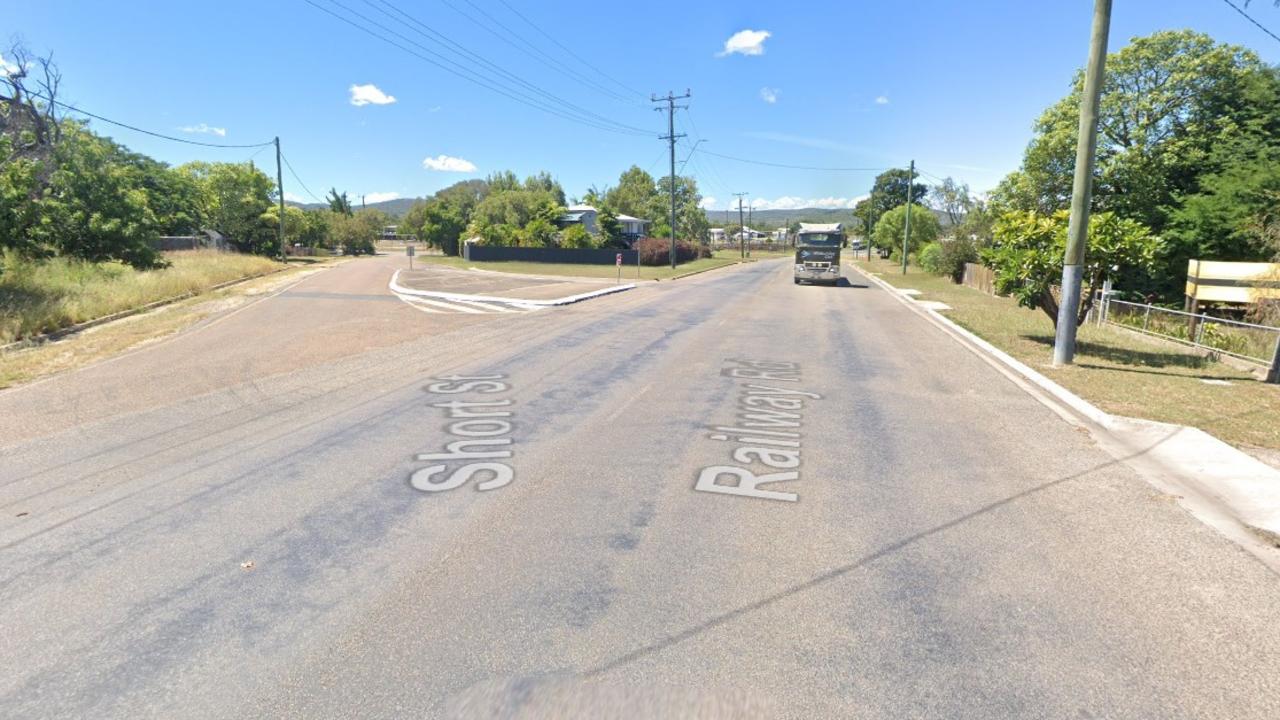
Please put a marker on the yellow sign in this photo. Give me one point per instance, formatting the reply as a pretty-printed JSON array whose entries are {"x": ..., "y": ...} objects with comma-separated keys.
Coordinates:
[{"x": 1234, "y": 282}]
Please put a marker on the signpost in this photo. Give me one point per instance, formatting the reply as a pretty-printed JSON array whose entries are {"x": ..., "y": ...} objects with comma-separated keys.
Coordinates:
[
  {"x": 618, "y": 261},
  {"x": 408, "y": 250}
]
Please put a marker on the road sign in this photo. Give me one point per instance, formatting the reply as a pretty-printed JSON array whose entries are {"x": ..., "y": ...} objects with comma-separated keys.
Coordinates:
[
  {"x": 409, "y": 250},
  {"x": 619, "y": 260}
]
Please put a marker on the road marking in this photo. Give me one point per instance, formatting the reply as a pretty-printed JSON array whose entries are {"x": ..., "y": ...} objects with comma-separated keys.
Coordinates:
[{"x": 453, "y": 307}]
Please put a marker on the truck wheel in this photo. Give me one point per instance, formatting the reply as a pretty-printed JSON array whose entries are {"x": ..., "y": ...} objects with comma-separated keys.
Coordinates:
[{"x": 797, "y": 280}]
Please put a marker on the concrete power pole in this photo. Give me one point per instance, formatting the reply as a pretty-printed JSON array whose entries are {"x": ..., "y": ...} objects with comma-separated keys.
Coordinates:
[
  {"x": 670, "y": 137},
  {"x": 742, "y": 229},
  {"x": 280, "y": 189},
  {"x": 906, "y": 235},
  {"x": 1064, "y": 342}
]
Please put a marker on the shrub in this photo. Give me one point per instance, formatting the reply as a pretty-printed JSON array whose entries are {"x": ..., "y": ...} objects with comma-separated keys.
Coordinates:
[
  {"x": 657, "y": 251},
  {"x": 953, "y": 253},
  {"x": 576, "y": 236},
  {"x": 930, "y": 258}
]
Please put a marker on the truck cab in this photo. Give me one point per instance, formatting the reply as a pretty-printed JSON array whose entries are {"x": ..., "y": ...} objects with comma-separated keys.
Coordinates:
[{"x": 818, "y": 252}]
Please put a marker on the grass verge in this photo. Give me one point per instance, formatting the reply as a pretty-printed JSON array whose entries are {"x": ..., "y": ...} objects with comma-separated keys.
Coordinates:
[
  {"x": 575, "y": 270},
  {"x": 1120, "y": 372},
  {"x": 40, "y": 297}
]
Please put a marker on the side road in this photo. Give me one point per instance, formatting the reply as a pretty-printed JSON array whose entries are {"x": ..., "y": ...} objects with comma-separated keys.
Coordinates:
[{"x": 1224, "y": 487}]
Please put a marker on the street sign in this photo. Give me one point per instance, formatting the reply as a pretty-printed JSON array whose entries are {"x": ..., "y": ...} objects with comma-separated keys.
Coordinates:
[{"x": 619, "y": 260}]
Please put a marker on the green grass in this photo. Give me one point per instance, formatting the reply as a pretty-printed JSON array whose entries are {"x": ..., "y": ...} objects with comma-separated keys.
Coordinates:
[
  {"x": 1119, "y": 371},
  {"x": 41, "y": 296},
  {"x": 662, "y": 272}
]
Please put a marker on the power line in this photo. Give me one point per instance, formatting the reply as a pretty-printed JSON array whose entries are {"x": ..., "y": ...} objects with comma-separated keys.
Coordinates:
[
  {"x": 575, "y": 55},
  {"x": 127, "y": 126},
  {"x": 1246, "y": 16},
  {"x": 542, "y": 56},
  {"x": 467, "y": 74},
  {"x": 468, "y": 54},
  {"x": 301, "y": 184},
  {"x": 791, "y": 167}
]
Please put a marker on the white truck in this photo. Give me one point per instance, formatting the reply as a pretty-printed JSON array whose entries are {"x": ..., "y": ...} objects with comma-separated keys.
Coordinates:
[{"x": 818, "y": 252}]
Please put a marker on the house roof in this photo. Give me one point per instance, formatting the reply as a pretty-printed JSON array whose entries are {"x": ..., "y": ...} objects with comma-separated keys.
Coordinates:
[
  {"x": 628, "y": 218},
  {"x": 581, "y": 208},
  {"x": 572, "y": 217}
]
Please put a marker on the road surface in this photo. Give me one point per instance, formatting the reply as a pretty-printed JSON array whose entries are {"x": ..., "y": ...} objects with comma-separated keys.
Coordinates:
[{"x": 725, "y": 496}]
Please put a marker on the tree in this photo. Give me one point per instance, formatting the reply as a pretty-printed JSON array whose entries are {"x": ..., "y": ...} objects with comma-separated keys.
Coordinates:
[
  {"x": 576, "y": 236},
  {"x": 691, "y": 220},
  {"x": 94, "y": 207},
  {"x": 234, "y": 199},
  {"x": 890, "y": 190},
  {"x": 610, "y": 229},
  {"x": 636, "y": 194},
  {"x": 339, "y": 203},
  {"x": 355, "y": 233},
  {"x": 953, "y": 199},
  {"x": 1028, "y": 249},
  {"x": 891, "y": 228}
]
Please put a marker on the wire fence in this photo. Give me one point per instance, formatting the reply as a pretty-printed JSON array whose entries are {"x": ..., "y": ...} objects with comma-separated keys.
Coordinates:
[{"x": 1246, "y": 341}]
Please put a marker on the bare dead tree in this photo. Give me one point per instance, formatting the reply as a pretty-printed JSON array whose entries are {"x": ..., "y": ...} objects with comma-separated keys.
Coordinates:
[{"x": 29, "y": 104}]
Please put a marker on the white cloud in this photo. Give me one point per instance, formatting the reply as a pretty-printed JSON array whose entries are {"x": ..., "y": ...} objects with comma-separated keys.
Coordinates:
[
  {"x": 6, "y": 66},
  {"x": 444, "y": 163},
  {"x": 708, "y": 203},
  {"x": 294, "y": 198},
  {"x": 769, "y": 95},
  {"x": 205, "y": 129},
  {"x": 377, "y": 197},
  {"x": 745, "y": 42},
  {"x": 791, "y": 202},
  {"x": 882, "y": 100},
  {"x": 369, "y": 95}
]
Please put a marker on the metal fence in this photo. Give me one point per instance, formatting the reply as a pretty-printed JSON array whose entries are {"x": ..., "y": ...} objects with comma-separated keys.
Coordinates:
[{"x": 1246, "y": 341}]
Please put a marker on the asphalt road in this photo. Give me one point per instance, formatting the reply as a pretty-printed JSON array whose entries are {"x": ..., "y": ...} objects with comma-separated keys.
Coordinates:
[{"x": 237, "y": 522}]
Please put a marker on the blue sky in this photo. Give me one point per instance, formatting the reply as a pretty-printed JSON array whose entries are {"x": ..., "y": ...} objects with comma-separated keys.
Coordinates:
[{"x": 954, "y": 85}]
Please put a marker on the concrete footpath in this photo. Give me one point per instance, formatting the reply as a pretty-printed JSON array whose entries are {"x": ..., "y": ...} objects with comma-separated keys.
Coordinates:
[{"x": 1221, "y": 485}]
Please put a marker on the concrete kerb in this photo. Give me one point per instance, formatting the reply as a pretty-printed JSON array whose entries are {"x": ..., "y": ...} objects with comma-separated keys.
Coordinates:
[
  {"x": 396, "y": 287},
  {"x": 1197, "y": 466}
]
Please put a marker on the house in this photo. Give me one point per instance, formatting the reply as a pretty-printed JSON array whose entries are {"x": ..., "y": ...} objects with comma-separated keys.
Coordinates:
[
  {"x": 633, "y": 228},
  {"x": 717, "y": 235},
  {"x": 583, "y": 215},
  {"x": 751, "y": 235},
  {"x": 780, "y": 235}
]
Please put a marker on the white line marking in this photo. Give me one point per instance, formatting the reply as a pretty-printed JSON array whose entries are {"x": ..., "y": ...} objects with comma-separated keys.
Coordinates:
[{"x": 445, "y": 305}]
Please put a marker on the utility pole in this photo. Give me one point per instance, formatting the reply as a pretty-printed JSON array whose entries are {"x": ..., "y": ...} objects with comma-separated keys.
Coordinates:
[
  {"x": 280, "y": 189},
  {"x": 670, "y": 137},
  {"x": 1064, "y": 342},
  {"x": 906, "y": 235},
  {"x": 742, "y": 229}
]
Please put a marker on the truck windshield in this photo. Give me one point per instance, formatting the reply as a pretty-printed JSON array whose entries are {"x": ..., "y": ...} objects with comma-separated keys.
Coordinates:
[{"x": 820, "y": 239}]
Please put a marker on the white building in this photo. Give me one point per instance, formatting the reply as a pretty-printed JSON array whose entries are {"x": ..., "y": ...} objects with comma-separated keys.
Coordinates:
[
  {"x": 716, "y": 234},
  {"x": 633, "y": 228}
]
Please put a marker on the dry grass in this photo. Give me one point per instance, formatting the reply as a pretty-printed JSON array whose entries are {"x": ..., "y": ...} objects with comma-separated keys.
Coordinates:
[
  {"x": 1121, "y": 372},
  {"x": 39, "y": 297}
]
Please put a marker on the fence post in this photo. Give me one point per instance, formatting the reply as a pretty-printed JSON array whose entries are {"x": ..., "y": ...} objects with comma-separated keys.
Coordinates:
[
  {"x": 1273, "y": 374},
  {"x": 1199, "y": 328},
  {"x": 1146, "y": 319}
]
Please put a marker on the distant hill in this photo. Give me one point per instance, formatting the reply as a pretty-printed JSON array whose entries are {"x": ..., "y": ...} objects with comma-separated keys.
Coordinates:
[
  {"x": 775, "y": 218},
  {"x": 395, "y": 208}
]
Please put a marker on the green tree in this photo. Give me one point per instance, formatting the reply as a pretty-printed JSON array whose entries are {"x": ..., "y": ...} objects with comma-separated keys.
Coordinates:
[
  {"x": 355, "y": 233},
  {"x": 636, "y": 194},
  {"x": 95, "y": 207},
  {"x": 891, "y": 228},
  {"x": 576, "y": 236},
  {"x": 234, "y": 199},
  {"x": 1028, "y": 249},
  {"x": 339, "y": 203},
  {"x": 890, "y": 190},
  {"x": 610, "y": 229}
]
